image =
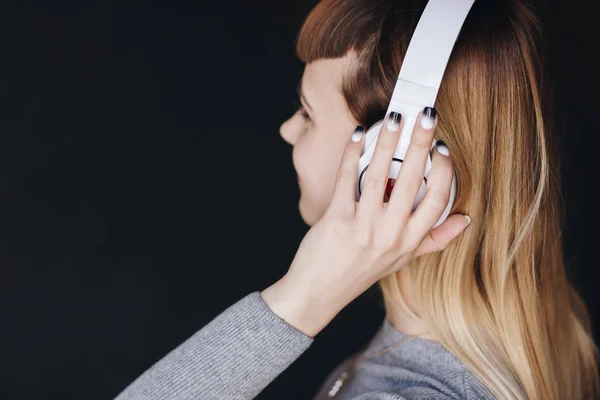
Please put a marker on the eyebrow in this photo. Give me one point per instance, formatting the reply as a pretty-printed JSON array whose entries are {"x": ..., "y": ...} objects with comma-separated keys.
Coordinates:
[{"x": 302, "y": 96}]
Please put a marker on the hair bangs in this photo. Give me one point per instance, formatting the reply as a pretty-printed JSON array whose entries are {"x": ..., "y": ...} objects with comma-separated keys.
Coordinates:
[{"x": 333, "y": 28}]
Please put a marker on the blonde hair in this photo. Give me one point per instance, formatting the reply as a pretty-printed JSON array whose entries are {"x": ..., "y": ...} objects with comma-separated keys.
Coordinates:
[{"x": 498, "y": 295}]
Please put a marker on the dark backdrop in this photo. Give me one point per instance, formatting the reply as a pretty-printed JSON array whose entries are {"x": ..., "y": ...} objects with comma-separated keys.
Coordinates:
[{"x": 145, "y": 187}]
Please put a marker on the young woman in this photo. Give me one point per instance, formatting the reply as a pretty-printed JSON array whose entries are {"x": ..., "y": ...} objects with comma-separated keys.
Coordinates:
[{"x": 485, "y": 312}]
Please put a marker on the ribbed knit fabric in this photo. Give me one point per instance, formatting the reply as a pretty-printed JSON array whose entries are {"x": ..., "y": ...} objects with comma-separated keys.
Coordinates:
[
  {"x": 238, "y": 353},
  {"x": 416, "y": 369}
]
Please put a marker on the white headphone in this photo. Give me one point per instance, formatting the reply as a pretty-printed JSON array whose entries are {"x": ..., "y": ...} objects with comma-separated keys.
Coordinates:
[{"x": 418, "y": 84}]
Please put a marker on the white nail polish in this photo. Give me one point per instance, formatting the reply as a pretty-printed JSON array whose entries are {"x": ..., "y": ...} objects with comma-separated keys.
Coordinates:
[
  {"x": 358, "y": 134},
  {"x": 468, "y": 221},
  {"x": 442, "y": 148},
  {"x": 428, "y": 118},
  {"x": 393, "y": 122}
]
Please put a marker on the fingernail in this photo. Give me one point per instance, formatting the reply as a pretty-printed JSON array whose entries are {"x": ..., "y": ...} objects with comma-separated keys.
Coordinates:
[
  {"x": 428, "y": 117},
  {"x": 468, "y": 220},
  {"x": 393, "y": 121},
  {"x": 442, "y": 148},
  {"x": 358, "y": 134}
]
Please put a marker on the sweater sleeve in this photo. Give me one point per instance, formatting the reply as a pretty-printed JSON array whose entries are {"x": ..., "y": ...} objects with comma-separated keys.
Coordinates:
[{"x": 235, "y": 356}]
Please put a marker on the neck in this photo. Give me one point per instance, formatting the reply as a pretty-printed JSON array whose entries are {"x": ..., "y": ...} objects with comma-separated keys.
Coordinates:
[{"x": 401, "y": 320}]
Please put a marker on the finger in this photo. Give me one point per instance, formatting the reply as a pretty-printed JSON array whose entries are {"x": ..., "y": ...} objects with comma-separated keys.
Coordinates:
[
  {"x": 412, "y": 171},
  {"x": 438, "y": 238},
  {"x": 437, "y": 194},
  {"x": 343, "y": 200},
  {"x": 377, "y": 173}
]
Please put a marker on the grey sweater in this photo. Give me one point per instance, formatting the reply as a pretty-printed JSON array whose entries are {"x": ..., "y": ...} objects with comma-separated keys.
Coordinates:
[{"x": 243, "y": 349}]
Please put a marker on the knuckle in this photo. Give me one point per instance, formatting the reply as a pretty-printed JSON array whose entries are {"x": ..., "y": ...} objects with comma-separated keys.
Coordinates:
[
  {"x": 346, "y": 176},
  {"x": 376, "y": 181},
  {"x": 412, "y": 244},
  {"x": 448, "y": 170},
  {"x": 364, "y": 238},
  {"x": 438, "y": 198},
  {"x": 404, "y": 208},
  {"x": 437, "y": 245},
  {"x": 387, "y": 242},
  {"x": 338, "y": 226},
  {"x": 387, "y": 143},
  {"x": 444, "y": 168},
  {"x": 422, "y": 139},
  {"x": 409, "y": 246}
]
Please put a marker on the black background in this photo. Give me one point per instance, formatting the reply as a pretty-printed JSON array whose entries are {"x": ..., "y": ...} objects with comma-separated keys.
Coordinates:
[{"x": 145, "y": 187}]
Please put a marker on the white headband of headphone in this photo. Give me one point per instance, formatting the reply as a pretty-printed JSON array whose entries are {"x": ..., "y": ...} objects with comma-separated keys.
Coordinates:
[{"x": 418, "y": 83}]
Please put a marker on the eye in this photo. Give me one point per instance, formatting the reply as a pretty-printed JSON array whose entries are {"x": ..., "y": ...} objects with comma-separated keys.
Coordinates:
[{"x": 302, "y": 111}]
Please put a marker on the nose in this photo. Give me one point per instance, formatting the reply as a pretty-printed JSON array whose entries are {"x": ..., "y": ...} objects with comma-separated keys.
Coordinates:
[{"x": 290, "y": 130}]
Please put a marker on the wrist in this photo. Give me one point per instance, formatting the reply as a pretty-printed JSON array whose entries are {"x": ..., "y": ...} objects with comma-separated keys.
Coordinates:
[{"x": 299, "y": 307}]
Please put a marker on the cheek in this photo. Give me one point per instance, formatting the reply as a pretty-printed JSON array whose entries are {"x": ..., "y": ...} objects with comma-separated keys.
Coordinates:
[{"x": 317, "y": 160}]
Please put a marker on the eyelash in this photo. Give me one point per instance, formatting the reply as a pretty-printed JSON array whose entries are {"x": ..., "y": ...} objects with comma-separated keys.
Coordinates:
[{"x": 302, "y": 111}]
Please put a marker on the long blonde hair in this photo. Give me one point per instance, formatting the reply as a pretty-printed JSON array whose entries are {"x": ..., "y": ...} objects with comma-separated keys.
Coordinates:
[{"x": 498, "y": 295}]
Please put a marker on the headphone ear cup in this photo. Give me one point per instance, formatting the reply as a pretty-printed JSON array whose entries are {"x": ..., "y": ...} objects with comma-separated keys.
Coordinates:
[{"x": 369, "y": 148}]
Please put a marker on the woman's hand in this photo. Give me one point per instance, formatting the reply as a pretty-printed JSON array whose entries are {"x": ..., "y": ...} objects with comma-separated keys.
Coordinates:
[{"x": 355, "y": 244}]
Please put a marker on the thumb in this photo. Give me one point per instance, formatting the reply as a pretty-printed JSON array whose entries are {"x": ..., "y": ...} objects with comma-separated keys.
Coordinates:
[{"x": 438, "y": 238}]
